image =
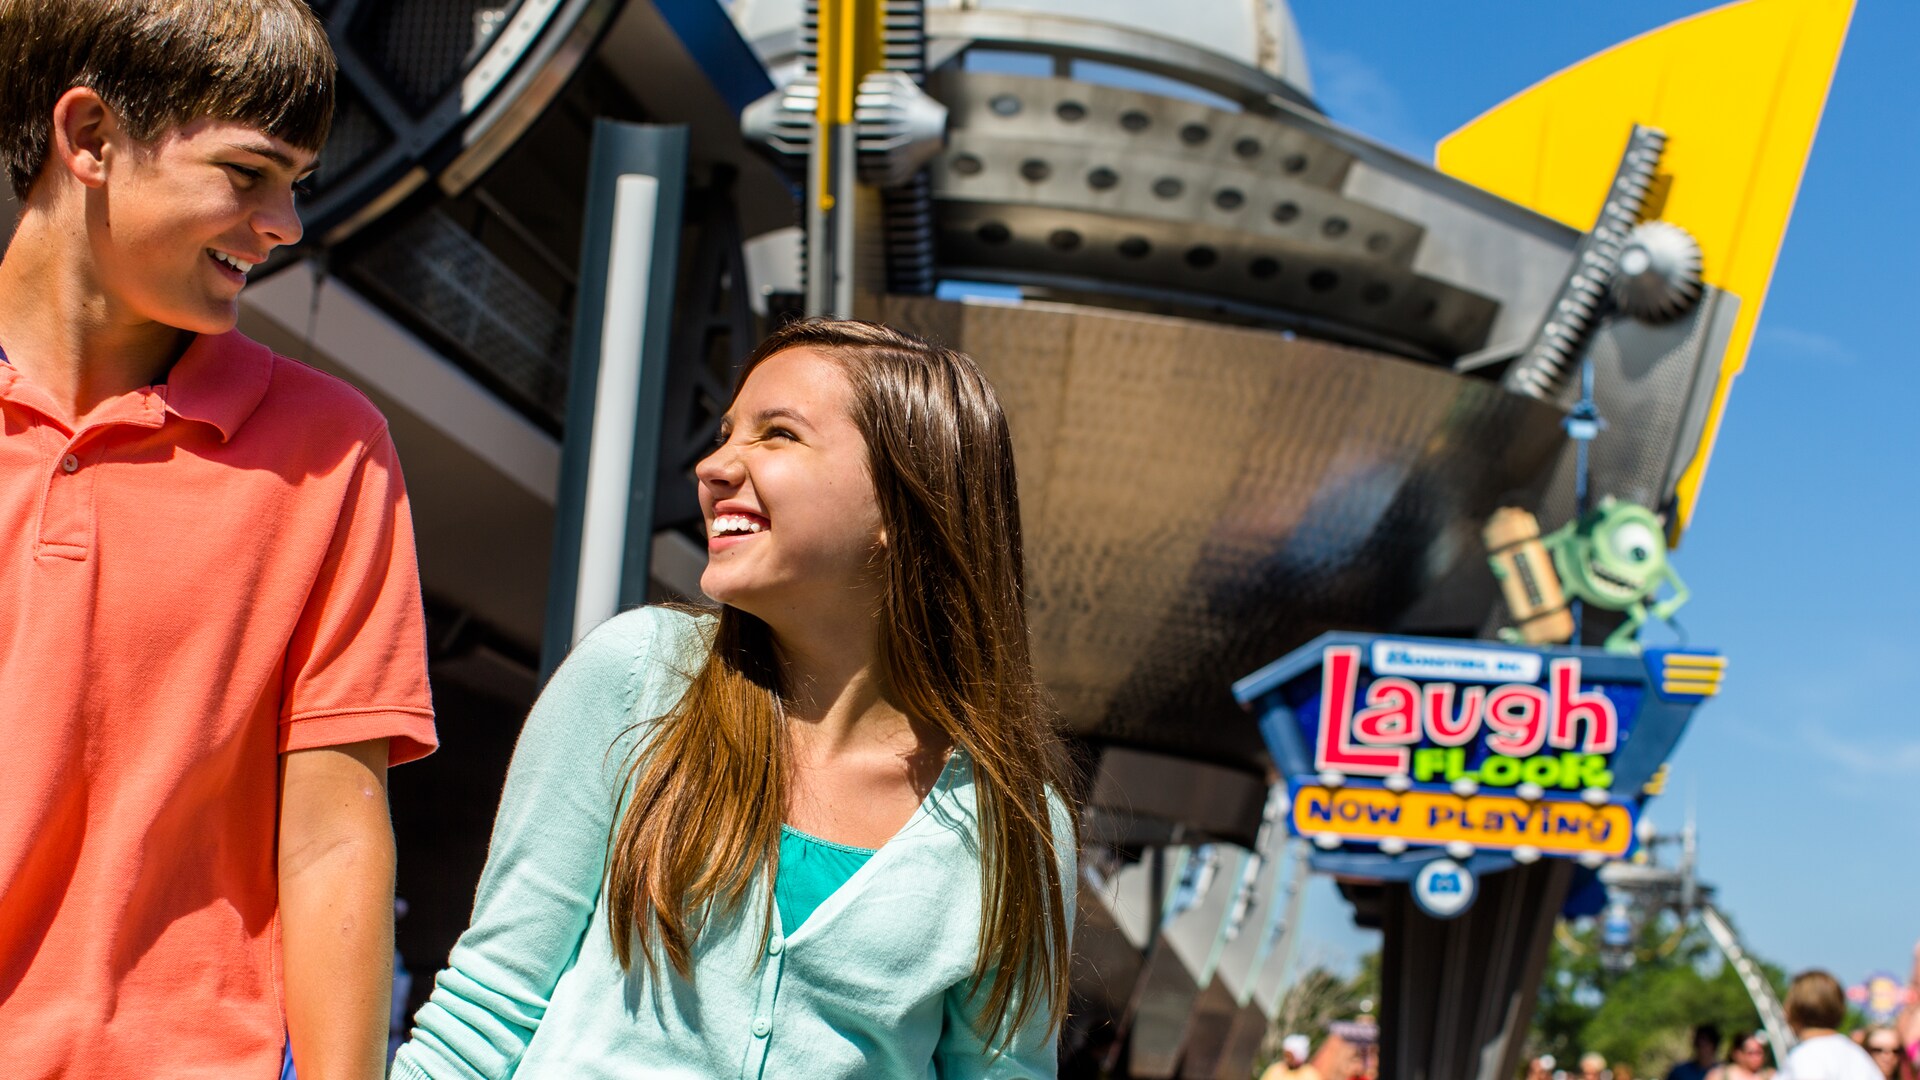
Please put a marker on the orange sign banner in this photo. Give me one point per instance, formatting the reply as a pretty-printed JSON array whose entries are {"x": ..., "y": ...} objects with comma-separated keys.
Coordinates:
[{"x": 1485, "y": 821}]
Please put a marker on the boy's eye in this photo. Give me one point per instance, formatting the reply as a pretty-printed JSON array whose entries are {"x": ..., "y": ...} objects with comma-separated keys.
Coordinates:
[
  {"x": 302, "y": 188},
  {"x": 251, "y": 174}
]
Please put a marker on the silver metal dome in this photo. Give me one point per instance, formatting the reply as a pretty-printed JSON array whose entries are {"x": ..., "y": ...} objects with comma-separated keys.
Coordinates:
[{"x": 1259, "y": 34}]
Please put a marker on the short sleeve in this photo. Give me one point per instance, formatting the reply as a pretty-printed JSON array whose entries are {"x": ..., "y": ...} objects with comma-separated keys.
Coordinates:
[{"x": 356, "y": 666}]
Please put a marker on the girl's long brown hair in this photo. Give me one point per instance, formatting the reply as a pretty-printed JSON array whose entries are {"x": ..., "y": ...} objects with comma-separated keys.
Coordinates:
[{"x": 710, "y": 787}]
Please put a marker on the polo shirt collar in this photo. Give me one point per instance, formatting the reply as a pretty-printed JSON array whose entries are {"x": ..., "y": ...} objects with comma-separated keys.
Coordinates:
[{"x": 219, "y": 380}]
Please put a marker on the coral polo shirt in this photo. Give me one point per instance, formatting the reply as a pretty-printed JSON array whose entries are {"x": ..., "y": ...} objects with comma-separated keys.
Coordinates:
[{"x": 211, "y": 572}]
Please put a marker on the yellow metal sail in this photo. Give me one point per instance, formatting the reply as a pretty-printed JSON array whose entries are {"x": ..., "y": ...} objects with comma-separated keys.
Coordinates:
[{"x": 1738, "y": 90}]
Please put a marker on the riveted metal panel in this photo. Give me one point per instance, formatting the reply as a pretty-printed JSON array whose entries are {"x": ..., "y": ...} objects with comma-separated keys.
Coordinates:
[
  {"x": 1145, "y": 200},
  {"x": 1113, "y": 179},
  {"x": 1194, "y": 265},
  {"x": 1054, "y": 110},
  {"x": 1651, "y": 385}
]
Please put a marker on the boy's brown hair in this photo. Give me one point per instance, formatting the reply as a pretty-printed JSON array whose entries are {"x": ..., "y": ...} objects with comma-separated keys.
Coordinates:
[
  {"x": 1815, "y": 1000},
  {"x": 159, "y": 64}
]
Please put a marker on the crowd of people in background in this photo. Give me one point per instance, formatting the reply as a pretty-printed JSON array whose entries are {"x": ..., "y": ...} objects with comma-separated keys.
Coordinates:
[
  {"x": 1827, "y": 1046},
  {"x": 1816, "y": 1010},
  {"x": 1349, "y": 1051}
]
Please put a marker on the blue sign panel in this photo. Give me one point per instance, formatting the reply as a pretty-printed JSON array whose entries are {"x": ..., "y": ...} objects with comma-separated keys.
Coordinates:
[{"x": 1399, "y": 749}]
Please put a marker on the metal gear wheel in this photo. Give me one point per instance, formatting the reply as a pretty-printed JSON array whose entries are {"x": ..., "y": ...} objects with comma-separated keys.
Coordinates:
[{"x": 1658, "y": 274}]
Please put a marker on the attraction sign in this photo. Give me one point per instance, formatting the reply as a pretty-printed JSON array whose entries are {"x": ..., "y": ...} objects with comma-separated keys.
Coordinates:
[
  {"x": 1880, "y": 997},
  {"x": 1399, "y": 750}
]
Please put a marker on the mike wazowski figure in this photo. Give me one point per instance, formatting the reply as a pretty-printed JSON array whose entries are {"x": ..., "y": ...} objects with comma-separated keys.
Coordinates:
[{"x": 1615, "y": 557}]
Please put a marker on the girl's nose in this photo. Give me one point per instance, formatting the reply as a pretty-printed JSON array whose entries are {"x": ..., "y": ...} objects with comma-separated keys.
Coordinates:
[{"x": 721, "y": 468}]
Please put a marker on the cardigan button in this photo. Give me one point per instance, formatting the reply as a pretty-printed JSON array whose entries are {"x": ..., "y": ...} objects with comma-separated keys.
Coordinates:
[
  {"x": 775, "y": 944},
  {"x": 761, "y": 1027}
]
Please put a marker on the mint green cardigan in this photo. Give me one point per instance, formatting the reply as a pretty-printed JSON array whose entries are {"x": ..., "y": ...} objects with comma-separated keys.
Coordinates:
[{"x": 875, "y": 984}]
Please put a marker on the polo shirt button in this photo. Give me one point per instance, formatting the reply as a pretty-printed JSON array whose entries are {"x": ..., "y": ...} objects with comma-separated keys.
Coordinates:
[
  {"x": 776, "y": 944},
  {"x": 761, "y": 1027},
  {"x": 70, "y": 463}
]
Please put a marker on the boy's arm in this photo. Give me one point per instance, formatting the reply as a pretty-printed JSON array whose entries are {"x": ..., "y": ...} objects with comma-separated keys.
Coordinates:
[{"x": 336, "y": 908}]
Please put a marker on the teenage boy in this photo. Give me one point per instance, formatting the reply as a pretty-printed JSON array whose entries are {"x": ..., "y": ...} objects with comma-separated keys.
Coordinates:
[{"x": 211, "y": 639}]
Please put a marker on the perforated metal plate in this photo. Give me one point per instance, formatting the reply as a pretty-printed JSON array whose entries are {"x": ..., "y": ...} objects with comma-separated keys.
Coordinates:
[
  {"x": 1337, "y": 294},
  {"x": 1062, "y": 110},
  {"x": 1094, "y": 189}
]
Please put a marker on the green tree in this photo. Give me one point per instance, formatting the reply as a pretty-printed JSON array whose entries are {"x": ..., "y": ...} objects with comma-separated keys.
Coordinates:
[{"x": 1642, "y": 1015}]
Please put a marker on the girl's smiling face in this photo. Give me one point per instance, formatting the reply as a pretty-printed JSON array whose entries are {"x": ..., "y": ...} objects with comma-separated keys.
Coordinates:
[{"x": 792, "y": 521}]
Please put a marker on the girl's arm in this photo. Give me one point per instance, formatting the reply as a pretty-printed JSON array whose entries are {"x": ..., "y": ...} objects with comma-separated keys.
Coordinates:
[
  {"x": 544, "y": 866},
  {"x": 964, "y": 1052}
]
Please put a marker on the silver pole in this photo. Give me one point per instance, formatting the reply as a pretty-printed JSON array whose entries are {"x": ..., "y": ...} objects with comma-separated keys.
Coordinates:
[
  {"x": 603, "y": 539},
  {"x": 609, "y": 463}
]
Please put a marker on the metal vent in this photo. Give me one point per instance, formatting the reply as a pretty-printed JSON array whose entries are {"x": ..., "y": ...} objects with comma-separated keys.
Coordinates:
[
  {"x": 461, "y": 294},
  {"x": 421, "y": 47},
  {"x": 357, "y": 134}
]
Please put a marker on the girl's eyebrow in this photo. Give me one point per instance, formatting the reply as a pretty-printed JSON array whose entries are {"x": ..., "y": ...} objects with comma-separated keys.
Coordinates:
[
  {"x": 778, "y": 413},
  {"x": 765, "y": 416}
]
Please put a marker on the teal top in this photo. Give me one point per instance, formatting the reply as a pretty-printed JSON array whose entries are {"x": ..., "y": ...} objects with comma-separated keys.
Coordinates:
[
  {"x": 811, "y": 869},
  {"x": 878, "y": 982}
]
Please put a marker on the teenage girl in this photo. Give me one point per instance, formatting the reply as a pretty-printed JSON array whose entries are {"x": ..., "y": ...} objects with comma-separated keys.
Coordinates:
[{"x": 820, "y": 835}]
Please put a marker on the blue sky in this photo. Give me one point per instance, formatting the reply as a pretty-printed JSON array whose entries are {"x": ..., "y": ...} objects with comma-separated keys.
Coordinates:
[{"x": 1802, "y": 557}]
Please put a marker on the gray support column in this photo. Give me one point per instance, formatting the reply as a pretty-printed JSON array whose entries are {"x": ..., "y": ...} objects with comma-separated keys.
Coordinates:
[
  {"x": 831, "y": 210},
  {"x": 1457, "y": 995},
  {"x": 617, "y": 380}
]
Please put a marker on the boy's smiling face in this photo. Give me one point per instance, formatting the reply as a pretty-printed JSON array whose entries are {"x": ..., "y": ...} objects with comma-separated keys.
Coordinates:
[{"x": 176, "y": 223}]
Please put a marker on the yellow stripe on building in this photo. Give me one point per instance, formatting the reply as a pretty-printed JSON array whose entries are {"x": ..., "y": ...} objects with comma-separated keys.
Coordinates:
[{"x": 1694, "y": 660}]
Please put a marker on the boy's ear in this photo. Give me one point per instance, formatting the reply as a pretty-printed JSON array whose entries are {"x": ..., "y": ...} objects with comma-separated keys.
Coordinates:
[{"x": 83, "y": 126}]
